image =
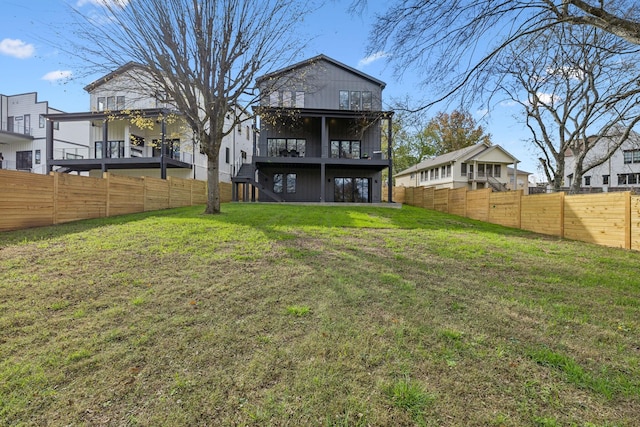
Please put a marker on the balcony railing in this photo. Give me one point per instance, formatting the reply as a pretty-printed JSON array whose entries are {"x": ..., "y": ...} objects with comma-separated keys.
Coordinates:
[{"x": 16, "y": 128}]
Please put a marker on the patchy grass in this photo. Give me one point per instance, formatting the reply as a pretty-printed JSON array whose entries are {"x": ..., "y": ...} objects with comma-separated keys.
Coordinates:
[{"x": 333, "y": 316}]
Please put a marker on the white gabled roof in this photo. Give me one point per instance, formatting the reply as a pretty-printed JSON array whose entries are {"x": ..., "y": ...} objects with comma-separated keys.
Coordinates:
[{"x": 463, "y": 155}]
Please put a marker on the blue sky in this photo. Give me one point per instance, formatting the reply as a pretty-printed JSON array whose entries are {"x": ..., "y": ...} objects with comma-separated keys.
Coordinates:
[{"x": 29, "y": 61}]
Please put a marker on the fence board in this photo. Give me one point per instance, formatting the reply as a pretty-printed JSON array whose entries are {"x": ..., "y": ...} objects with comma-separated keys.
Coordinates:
[
  {"x": 26, "y": 200},
  {"x": 635, "y": 223},
  {"x": 603, "y": 219},
  {"x": 458, "y": 201},
  {"x": 504, "y": 208},
  {"x": 32, "y": 200},
  {"x": 441, "y": 200},
  {"x": 179, "y": 192},
  {"x": 478, "y": 204},
  {"x": 542, "y": 213},
  {"x": 156, "y": 195},
  {"x": 226, "y": 194},
  {"x": 126, "y": 194},
  {"x": 428, "y": 198},
  {"x": 79, "y": 197}
]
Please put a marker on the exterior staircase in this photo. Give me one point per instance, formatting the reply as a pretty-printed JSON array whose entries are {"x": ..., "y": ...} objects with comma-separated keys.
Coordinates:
[
  {"x": 246, "y": 175},
  {"x": 496, "y": 185}
]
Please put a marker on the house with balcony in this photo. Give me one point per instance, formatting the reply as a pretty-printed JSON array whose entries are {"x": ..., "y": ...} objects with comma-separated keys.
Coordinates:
[
  {"x": 479, "y": 166},
  {"x": 23, "y": 133},
  {"x": 320, "y": 135},
  {"x": 619, "y": 172},
  {"x": 133, "y": 129}
]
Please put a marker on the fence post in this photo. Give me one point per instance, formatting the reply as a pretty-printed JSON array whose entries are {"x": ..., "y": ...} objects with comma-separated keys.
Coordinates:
[
  {"x": 562, "y": 194},
  {"x": 56, "y": 182},
  {"x": 105, "y": 176},
  {"x": 627, "y": 220}
]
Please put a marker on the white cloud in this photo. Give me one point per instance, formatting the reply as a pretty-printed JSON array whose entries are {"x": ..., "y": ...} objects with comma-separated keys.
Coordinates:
[
  {"x": 548, "y": 98},
  {"x": 372, "y": 58},
  {"x": 54, "y": 76},
  {"x": 16, "y": 48}
]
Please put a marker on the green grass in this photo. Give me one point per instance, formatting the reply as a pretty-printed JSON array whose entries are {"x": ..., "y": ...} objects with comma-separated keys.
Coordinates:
[{"x": 328, "y": 316}]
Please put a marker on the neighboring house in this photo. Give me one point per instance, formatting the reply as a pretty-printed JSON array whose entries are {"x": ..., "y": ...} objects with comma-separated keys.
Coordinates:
[
  {"x": 135, "y": 130},
  {"x": 621, "y": 171},
  {"x": 479, "y": 166},
  {"x": 23, "y": 133},
  {"x": 521, "y": 178},
  {"x": 320, "y": 135}
]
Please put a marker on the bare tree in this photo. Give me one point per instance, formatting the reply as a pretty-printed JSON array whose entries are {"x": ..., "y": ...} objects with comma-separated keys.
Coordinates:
[
  {"x": 203, "y": 55},
  {"x": 455, "y": 42},
  {"x": 573, "y": 85}
]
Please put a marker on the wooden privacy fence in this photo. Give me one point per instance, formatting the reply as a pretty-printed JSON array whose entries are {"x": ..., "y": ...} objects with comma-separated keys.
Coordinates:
[
  {"x": 32, "y": 200},
  {"x": 609, "y": 219}
]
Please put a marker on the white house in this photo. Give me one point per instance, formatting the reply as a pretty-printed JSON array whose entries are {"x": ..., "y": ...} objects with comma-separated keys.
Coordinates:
[
  {"x": 23, "y": 133},
  {"x": 135, "y": 130},
  {"x": 478, "y": 166},
  {"x": 620, "y": 171}
]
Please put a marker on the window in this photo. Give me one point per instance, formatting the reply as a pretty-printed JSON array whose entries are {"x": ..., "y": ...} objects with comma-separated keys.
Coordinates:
[
  {"x": 279, "y": 180},
  {"x": 38, "y": 157},
  {"x": 631, "y": 156},
  {"x": 448, "y": 171},
  {"x": 287, "y": 101},
  {"x": 587, "y": 180},
  {"x": 632, "y": 178},
  {"x": 27, "y": 124},
  {"x": 367, "y": 103},
  {"x": 291, "y": 183},
  {"x": 622, "y": 179},
  {"x": 496, "y": 171},
  {"x": 351, "y": 190},
  {"x": 274, "y": 99},
  {"x": 24, "y": 160},
  {"x": 42, "y": 121},
  {"x": 355, "y": 100},
  {"x": 436, "y": 171},
  {"x": 345, "y": 149},
  {"x": 120, "y": 103},
  {"x": 56, "y": 125},
  {"x": 299, "y": 102},
  {"x": 111, "y": 103},
  {"x": 172, "y": 147},
  {"x": 605, "y": 179},
  {"x": 286, "y": 147},
  {"x": 344, "y": 100},
  {"x": 226, "y": 155},
  {"x": 101, "y": 103},
  {"x": 463, "y": 169},
  {"x": 247, "y": 133}
]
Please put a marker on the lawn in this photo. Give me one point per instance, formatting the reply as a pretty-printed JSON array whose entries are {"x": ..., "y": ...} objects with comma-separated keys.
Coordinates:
[{"x": 324, "y": 316}]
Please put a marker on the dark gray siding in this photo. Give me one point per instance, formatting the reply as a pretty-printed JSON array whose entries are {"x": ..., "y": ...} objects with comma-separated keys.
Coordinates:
[{"x": 322, "y": 82}]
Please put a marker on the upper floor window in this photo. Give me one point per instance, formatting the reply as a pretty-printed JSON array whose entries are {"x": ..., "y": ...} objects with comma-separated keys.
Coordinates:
[
  {"x": 345, "y": 149},
  {"x": 355, "y": 100},
  {"x": 631, "y": 156},
  {"x": 587, "y": 180},
  {"x": 286, "y": 147},
  {"x": 110, "y": 103},
  {"x": 286, "y": 99}
]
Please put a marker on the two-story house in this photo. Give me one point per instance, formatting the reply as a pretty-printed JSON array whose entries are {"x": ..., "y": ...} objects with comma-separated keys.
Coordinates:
[
  {"x": 320, "y": 134},
  {"x": 620, "y": 171},
  {"x": 135, "y": 130},
  {"x": 23, "y": 133},
  {"x": 478, "y": 166}
]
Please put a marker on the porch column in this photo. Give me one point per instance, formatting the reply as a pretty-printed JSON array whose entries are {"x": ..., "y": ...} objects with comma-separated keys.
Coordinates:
[
  {"x": 323, "y": 178},
  {"x": 105, "y": 141},
  {"x": 49, "y": 147},
  {"x": 474, "y": 176},
  {"x": 163, "y": 150}
]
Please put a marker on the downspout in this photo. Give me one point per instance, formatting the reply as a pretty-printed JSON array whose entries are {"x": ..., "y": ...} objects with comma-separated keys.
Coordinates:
[{"x": 49, "y": 147}]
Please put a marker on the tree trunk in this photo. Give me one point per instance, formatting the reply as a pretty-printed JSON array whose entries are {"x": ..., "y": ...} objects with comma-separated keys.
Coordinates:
[{"x": 213, "y": 186}]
